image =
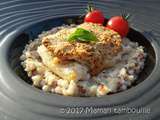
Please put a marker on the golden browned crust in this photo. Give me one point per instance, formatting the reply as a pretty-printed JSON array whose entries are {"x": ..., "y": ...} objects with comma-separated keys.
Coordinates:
[{"x": 96, "y": 56}]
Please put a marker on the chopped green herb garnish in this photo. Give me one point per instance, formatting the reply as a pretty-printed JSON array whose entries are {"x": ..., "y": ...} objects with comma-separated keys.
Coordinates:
[{"x": 82, "y": 35}]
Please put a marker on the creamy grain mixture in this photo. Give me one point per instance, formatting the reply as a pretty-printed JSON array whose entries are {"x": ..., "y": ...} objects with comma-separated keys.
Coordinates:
[{"x": 73, "y": 78}]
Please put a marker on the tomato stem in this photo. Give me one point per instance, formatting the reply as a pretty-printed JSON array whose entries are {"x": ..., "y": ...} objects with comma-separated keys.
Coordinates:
[
  {"x": 126, "y": 16},
  {"x": 90, "y": 7}
]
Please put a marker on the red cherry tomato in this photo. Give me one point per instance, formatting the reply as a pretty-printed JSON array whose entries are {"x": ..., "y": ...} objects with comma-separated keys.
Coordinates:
[
  {"x": 119, "y": 24},
  {"x": 95, "y": 16}
]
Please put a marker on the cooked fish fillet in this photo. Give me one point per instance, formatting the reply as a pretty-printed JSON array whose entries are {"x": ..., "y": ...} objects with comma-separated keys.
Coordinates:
[
  {"x": 69, "y": 71},
  {"x": 97, "y": 56}
]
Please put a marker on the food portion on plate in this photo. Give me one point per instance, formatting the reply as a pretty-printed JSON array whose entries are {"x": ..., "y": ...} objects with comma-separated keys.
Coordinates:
[{"x": 88, "y": 59}]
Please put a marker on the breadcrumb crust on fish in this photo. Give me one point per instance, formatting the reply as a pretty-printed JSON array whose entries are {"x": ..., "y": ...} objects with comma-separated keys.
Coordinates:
[{"x": 96, "y": 55}]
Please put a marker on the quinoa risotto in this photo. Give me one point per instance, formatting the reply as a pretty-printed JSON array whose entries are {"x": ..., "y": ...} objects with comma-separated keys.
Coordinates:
[{"x": 108, "y": 65}]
